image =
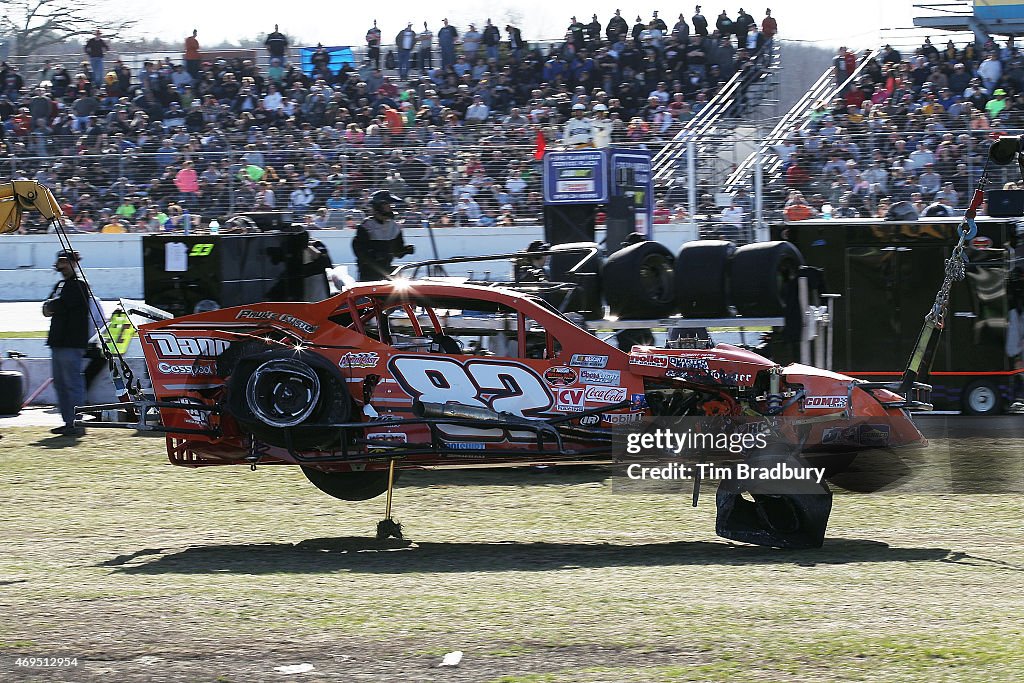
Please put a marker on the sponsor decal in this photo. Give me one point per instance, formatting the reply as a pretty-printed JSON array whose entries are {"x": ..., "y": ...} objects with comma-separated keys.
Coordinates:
[
  {"x": 169, "y": 345},
  {"x": 622, "y": 418},
  {"x": 605, "y": 394},
  {"x": 588, "y": 376},
  {"x": 193, "y": 370},
  {"x": 591, "y": 420},
  {"x": 638, "y": 402},
  {"x": 560, "y": 376},
  {"x": 687, "y": 363},
  {"x": 464, "y": 445},
  {"x": 586, "y": 360},
  {"x": 649, "y": 360},
  {"x": 857, "y": 435},
  {"x": 297, "y": 323},
  {"x": 362, "y": 359},
  {"x": 569, "y": 400},
  {"x": 196, "y": 417},
  {"x": 981, "y": 242},
  {"x": 825, "y": 402}
]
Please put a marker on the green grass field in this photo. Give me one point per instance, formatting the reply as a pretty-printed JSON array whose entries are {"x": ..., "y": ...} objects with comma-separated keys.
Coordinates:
[{"x": 147, "y": 572}]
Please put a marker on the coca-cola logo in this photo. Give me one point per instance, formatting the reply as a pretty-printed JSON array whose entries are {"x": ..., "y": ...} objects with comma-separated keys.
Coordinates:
[{"x": 605, "y": 394}]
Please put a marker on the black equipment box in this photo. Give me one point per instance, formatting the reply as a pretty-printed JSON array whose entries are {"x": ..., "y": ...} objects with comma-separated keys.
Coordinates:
[{"x": 181, "y": 272}]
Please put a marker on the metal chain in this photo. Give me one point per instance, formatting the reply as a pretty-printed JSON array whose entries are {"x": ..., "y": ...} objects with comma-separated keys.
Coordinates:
[{"x": 955, "y": 269}]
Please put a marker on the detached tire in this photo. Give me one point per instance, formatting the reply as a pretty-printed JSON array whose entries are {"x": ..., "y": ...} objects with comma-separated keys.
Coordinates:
[
  {"x": 349, "y": 485},
  {"x": 12, "y": 392},
  {"x": 275, "y": 394},
  {"x": 639, "y": 281},
  {"x": 702, "y": 278},
  {"x": 587, "y": 276},
  {"x": 981, "y": 397},
  {"x": 758, "y": 274}
]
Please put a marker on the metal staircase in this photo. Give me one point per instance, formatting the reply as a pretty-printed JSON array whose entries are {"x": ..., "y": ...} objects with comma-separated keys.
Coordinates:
[
  {"x": 825, "y": 90},
  {"x": 712, "y": 129}
]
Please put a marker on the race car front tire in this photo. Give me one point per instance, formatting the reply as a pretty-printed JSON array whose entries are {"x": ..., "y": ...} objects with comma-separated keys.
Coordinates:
[
  {"x": 274, "y": 395},
  {"x": 350, "y": 485}
]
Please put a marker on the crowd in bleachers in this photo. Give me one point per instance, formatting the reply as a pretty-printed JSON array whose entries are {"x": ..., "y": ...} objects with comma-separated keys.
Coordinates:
[
  {"x": 907, "y": 129},
  {"x": 455, "y": 131}
]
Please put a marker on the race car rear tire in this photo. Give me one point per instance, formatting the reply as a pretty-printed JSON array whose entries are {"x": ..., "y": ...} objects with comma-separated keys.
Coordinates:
[
  {"x": 274, "y": 394},
  {"x": 981, "y": 397},
  {"x": 702, "y": 278},
  {"x": 639, "y": 282},
  {"x": 758, "y": 274},
  {"x": 350, "y": 485},
  {"x": 587, "y": 276}
]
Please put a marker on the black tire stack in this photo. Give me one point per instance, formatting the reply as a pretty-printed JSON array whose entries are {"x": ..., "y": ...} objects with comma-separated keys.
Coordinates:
[{"x": 705, "y": 279}]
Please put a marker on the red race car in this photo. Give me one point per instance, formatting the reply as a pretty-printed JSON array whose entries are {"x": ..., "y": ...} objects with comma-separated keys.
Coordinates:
[{"x": 406, "y": 374}]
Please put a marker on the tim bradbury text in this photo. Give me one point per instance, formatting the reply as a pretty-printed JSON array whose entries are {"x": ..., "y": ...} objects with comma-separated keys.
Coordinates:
[{"x": 778, "y": 472}]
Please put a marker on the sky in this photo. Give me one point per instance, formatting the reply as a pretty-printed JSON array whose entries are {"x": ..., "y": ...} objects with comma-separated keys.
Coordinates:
[{"x": 333, "y": 23}]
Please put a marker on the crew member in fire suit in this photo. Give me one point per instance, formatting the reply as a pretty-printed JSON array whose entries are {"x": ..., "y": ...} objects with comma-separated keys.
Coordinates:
[
  {"x": 577, "y": 131},
  {"x": 379, "y": 239}
]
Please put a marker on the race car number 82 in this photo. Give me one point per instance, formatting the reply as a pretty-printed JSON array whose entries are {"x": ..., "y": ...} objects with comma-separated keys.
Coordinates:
[{"x": 499, "y": 386}]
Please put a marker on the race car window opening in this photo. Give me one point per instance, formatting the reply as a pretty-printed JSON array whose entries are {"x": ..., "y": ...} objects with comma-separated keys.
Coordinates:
[{"x": 537, "y": 342}]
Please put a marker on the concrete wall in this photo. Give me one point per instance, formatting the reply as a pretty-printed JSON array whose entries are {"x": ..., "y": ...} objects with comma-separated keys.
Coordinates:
[{"x": 113, "y": 263}]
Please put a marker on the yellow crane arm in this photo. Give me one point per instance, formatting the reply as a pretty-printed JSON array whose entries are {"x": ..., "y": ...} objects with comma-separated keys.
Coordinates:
[{"x": 18, "y": 196}]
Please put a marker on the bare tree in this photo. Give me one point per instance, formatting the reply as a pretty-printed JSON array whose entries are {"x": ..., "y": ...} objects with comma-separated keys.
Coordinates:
[{"x": 37, "y": 24}]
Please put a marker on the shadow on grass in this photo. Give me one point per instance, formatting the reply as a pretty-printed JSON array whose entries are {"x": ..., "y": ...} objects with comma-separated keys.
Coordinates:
[
  {"x": 321, "y": 555},
  {"x": 57, "y": 442}
]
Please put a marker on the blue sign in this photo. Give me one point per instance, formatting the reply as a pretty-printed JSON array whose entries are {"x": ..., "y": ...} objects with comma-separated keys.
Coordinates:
[
  {"x": 339, "y": 57},
  {"x": 577, "y": 177},
  {"x": 631, "y": 173}
]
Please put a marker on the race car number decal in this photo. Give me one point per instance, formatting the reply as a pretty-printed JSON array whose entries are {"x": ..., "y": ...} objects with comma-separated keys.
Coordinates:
[{"x": 500, "y": 386}]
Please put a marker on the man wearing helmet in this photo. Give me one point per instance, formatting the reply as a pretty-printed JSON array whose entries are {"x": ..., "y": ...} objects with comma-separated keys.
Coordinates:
[
  {"x": 601, "y": 126},
  {"x": 378, "y": 239},
  {"x": 578, "y": 131},
  {"x": 68, "y": 310}
]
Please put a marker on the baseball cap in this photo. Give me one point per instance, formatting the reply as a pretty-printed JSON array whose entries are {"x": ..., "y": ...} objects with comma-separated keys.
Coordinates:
[
  {"x": 578, "y": 107},
  {"x": 70, "y": 254},
  {"x": 600, "y": 107}
]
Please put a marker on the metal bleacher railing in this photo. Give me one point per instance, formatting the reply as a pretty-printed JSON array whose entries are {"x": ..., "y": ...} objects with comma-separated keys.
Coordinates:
[
  {"x": 822, "y": 91},
  {"x": 715, "y": 121}
]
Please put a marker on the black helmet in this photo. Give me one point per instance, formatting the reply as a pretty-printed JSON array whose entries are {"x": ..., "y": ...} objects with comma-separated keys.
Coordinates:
[
  {"x": 538, "y": 245},
  {"x": 384, "y": 197},
  {"x": 69, "y": 254}
]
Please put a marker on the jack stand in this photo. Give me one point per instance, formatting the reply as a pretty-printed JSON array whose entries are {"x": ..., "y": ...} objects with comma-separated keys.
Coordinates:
[{"x": 387, "y": 527}]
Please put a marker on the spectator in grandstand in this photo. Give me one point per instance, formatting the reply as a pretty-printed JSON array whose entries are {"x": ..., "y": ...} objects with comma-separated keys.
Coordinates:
[
  {"x": 405, "y": 42},
  {"x": 192, "y": 54},
  {"x": 769, "y": 27},
  {"x": 96, "y": 48},
  {"x": 276, "y": 44},
  {"x": 797, "y": 208},
  {"x": 446, "y": 40},
  {"x": 471, "y": 43}
]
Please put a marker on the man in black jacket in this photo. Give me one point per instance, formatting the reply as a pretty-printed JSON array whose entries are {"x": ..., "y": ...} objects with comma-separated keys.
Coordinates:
[
  {"x": 379, "y": 239},
  {"x": 70, "y": 329}
]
